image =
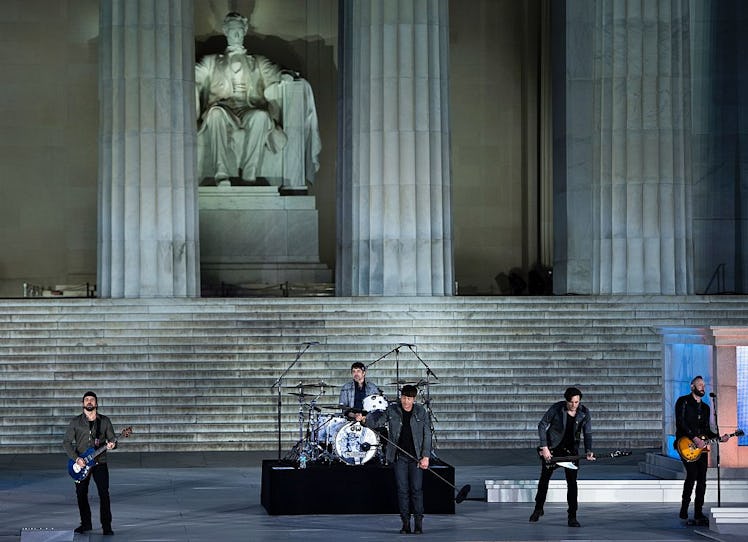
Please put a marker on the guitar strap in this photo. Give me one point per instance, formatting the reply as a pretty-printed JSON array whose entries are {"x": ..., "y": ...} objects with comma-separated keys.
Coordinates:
[{"x": 96, "y": 432}]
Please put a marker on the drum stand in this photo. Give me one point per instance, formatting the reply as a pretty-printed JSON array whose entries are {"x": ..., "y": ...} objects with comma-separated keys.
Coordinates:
[
  {"x": 279, "y": 384},
  {"x": 307, "y": 449}
]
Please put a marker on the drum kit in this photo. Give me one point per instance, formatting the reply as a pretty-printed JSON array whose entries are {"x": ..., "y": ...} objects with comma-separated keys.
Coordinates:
[
  {"x": 325, "y": 438},
  {"x": 328, "y": 437}
]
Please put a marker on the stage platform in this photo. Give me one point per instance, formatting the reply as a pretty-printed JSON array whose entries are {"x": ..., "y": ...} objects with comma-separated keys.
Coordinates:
[
  {"x": 344, "y": 489},
  {"x": 200, "y": 496}
]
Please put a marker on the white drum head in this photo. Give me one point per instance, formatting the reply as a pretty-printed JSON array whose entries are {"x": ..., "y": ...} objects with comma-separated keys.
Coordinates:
[
  {"x": 355, "y": 444},
  {"x": 375, "y": 402}
]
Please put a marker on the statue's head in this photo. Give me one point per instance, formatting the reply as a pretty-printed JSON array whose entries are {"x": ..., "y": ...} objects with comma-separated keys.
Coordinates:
[{"x": 235, "y": 20}]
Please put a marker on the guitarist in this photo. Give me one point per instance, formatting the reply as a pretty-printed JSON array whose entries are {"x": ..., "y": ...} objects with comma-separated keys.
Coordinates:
[
  {"x": 560, "y": 431},
  {"x": 692, "y": 420},
  {"x": 91, "y": 430}
]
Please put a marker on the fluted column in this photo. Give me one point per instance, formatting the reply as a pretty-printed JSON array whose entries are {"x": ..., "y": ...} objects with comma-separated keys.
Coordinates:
[
  {"x": 625, "y": 199},
  {"x": 148, "y": 228},
  {"x": 394, "y": 220},
  {"x": 641, "y": 187}
]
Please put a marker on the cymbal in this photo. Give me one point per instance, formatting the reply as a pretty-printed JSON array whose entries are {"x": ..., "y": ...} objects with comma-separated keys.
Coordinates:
[
  {"x": 320, "y": 384},
  {"x": 413, "y": 383},
  {"x": 302, "y": 395}
]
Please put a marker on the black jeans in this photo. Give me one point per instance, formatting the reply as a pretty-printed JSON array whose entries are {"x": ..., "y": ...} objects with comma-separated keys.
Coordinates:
[
  {"x": 696, "y": 474},
  {"x": 100, "y": 474},
  {"x": 571, "y": 487},
  {"x": 409, "y": 480}
]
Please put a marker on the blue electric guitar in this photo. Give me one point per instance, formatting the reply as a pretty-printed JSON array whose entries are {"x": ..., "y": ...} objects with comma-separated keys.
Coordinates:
[{"x": 79, "y": 473}]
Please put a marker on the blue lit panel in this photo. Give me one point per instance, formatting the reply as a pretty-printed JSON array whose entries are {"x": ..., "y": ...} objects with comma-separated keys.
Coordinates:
[
  {"x": 683, "y": 361},
  {"x": 742, "y": 366}
]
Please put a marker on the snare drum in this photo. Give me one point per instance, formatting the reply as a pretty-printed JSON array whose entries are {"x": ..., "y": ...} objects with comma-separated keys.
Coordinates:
[
  {"x": 375, "y": 402},
  {"x": 356, "y": 444}
]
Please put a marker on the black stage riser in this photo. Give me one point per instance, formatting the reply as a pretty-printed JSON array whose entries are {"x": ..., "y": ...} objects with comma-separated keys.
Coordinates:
[{"x": 345, "y": 489}]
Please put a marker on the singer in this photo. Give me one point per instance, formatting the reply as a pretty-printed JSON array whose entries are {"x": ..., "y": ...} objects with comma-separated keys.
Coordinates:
[
  {"x": 408, "y": 424},
  {"x": 692, "y": 420}
]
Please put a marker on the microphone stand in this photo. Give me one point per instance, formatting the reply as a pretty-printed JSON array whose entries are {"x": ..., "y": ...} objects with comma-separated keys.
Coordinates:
[
  {"x": 716, "y": 424},
  {"x": 279, "y": 384},
  {"x": 427, "y": 402},
  {"x": 382, "y": 357}
]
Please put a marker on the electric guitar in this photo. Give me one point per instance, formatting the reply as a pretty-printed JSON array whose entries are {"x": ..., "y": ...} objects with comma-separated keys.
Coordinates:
[
  {"x": 689, "y": 452},
  {"x": 567, "y": 461},
  {"x": 79, "y": 473}
]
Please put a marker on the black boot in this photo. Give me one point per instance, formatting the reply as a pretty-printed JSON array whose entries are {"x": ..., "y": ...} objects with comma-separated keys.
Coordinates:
[
  {"x": 418, "y": 527},
  {"x": 535, "y": 516},
  {"x": 406, "y": 525},
  {"x": 699, "y": 518},
  {"x": 684, "y": 509},
  {"x": 572, "y": 522}
]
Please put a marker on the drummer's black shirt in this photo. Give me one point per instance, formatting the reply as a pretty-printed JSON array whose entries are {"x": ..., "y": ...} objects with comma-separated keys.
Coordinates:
[
  {"x": 406, "y": 435},
  {"x": 359, "y": 394}
]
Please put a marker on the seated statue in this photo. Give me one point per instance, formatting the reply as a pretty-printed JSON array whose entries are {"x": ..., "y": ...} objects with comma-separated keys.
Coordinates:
[{"x": 240, "y": 110}]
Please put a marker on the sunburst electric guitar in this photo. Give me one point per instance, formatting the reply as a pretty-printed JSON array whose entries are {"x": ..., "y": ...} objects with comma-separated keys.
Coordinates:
[
  {"x": 689, "y": 452},
  {"x": 79, "y": 473}
]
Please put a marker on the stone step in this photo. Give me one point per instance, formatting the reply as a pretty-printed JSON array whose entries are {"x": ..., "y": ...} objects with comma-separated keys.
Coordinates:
[
  {"x": 729, "y": 520},
  {"x": 656, "y": 491},
  {"x": 502, "y": 361}
]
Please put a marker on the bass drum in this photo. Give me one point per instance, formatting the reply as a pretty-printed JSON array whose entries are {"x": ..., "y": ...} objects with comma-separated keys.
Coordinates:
[{"x": 356, "y": 444}]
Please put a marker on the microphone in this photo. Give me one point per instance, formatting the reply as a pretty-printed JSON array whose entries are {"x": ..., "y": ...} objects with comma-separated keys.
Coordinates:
[
  {"x": 407, "y": 344},
  {"x": 712, "y": 394},
  {"x": 311, "y": 343}
]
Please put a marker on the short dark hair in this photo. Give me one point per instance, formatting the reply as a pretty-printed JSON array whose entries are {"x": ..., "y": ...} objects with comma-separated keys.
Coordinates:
[
  {"x": 695, "y": 378},
  {"x": 409, "y": 390},
  {"x": 571, "y": 392},
  {"x": 90, "y": 394},
  {"x": 358, "y": 365}
]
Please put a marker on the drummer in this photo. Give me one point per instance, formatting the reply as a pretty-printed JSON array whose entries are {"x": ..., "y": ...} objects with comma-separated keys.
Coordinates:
[{"x": 353, "y": 393}]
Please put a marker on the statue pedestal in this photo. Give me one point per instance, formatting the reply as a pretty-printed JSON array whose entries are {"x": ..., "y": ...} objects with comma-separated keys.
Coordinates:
[{"x": 251, "y": 235}]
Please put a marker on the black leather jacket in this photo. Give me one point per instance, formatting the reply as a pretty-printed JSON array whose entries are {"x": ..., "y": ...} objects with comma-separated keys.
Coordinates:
[
  {"x": 553, "y": 424},
  {"x": 392, "y": 418},
  {"x": 692, "y": 418}
]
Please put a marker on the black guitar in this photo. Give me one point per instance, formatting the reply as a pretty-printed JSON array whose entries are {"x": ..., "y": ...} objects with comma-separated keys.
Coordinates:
[{"x": 564, "y": 458}]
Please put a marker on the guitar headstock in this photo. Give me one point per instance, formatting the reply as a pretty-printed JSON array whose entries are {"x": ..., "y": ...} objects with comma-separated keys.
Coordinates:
[
  {"x": 620, "y": 453},
  {"x": 739, "y": 433},
  {"x": 126, "y": 432}
]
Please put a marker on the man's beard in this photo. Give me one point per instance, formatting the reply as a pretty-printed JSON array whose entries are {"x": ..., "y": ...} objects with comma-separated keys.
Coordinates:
[
  {"x": 90, "y": 408},
  {"x": 700, "y": 393}
]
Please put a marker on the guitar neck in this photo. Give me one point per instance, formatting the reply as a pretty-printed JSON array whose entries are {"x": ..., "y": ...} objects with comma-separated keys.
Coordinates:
[
  {"x": 100, "y": 451},
  {"x": 715, "y": 439}
]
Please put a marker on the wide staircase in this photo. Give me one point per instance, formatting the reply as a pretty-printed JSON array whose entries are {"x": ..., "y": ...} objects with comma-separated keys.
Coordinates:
[{"x": 197, "y": 374}]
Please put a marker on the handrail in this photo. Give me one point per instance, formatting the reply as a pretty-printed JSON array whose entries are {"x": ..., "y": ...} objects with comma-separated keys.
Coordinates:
[{"x": 719, "y": 276}]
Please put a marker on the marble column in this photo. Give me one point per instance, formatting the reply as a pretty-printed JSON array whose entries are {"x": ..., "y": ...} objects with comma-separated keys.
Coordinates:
[
  {"x": 148, "y": 237},
  {"x": 394, "y": 221},
  {"x": 625, "y": 200}
]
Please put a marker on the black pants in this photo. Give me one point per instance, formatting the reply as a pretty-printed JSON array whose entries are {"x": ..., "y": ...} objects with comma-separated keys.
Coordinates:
[
  {"x": 571, "y": 487},
  {"x": 696, "y": 474},
  {"x": 100, "y": 475},
  {"x": 409, "y": 480}
]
